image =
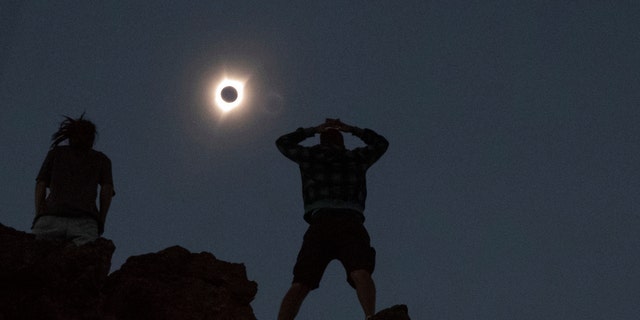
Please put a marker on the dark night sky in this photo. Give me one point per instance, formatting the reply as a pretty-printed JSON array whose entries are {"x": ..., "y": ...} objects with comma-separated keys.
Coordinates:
[{"x": 510, "y": 189}]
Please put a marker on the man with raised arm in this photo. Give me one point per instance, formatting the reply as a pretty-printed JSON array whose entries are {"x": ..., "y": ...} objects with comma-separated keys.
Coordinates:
[{"x": 334, "y": 192}]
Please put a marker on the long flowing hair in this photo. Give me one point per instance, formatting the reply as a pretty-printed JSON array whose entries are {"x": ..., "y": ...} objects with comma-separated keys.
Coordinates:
[{"x": 80, "y": 132}]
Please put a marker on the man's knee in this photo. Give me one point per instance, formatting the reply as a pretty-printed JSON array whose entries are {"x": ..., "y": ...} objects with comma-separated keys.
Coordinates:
[
  {"x": 292, "y": 301},
  {"x": 299, "y": 289},
  {"x": 360, "y": 276}
]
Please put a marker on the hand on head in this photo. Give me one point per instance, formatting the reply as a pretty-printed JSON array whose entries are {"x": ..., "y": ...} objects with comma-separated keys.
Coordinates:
[{"x": 334, "y": 124}]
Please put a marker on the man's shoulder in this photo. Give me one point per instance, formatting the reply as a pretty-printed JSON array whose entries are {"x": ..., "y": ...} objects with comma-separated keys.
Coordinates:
[
  {"x": 60, "y": 149},
  {"x": 69, "y": 149},
  {"x": 99, "y": 155}
]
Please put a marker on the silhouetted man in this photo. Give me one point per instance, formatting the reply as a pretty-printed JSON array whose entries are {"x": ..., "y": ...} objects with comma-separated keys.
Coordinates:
[
  {"x": 334, "y": 193},
  {"x": 72, "y": 173}
]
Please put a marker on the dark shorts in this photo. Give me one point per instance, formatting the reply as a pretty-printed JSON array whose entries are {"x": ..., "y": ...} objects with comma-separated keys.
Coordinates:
[{"x": 333, "y": 237}]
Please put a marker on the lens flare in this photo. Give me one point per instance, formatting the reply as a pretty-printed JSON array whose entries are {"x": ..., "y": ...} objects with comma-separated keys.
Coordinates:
[{"x": 229, "y": 94}]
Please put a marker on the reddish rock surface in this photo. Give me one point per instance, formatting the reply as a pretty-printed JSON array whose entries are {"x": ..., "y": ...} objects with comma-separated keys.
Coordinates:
[
  {"x": 56, "y": 281},
  {"x": 177, "y": 284},
  {"x": 397, "y": 312},
  {"x": 47, "y": 280}
]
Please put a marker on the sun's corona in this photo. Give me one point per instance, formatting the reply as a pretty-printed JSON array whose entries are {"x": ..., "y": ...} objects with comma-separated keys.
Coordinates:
[{"x": 229, "y": 94}]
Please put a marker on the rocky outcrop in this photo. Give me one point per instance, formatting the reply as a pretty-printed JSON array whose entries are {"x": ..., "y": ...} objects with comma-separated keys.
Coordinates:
[
  {"x": 397, "y": 312},
  {"x": 46, "y": 280},
  {"x": 176, "y": 284},
  {"x": 49, "y": 280}
]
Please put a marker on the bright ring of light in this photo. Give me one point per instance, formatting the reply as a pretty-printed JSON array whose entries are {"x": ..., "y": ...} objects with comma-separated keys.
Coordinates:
[{"x": 226, "y": 106}]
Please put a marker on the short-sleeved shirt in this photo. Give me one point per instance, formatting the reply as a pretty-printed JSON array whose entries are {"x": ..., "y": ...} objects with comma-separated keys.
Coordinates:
[{"x": 72, "y": 176}]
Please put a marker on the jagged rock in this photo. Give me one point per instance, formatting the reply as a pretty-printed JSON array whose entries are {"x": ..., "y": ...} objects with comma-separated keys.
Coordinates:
[
  {"x": 47, "y": 280},
  {"x": 397, "y": 312},
  {"x": 51, "y": 280},
  {"x": 177, "y": 284}
]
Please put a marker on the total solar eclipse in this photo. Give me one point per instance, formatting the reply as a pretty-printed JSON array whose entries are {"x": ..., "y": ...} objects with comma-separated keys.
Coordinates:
[{"x": 229, "y": 94}]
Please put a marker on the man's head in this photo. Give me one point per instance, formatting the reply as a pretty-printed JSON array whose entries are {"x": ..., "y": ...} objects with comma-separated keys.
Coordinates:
[
  {"x": 80, "y": 132},
  {"x": 331, "y": 137}
]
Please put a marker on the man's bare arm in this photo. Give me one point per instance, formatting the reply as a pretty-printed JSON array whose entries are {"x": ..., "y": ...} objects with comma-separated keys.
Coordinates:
[
  {"x": 106, "y": 194},
  {"x": 40, "y": 196}
]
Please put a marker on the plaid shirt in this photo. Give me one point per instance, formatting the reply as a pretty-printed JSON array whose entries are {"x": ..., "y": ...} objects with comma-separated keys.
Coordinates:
[{"x": 333, "y": 177}]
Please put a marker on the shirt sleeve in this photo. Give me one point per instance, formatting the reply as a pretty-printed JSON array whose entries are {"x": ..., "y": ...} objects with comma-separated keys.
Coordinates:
[
  {"x": 106, "y": 176},
  {"x": 44, "y": 175},
  {"x": 376, "y": 145},
  {"x": 289, "y": 144}
]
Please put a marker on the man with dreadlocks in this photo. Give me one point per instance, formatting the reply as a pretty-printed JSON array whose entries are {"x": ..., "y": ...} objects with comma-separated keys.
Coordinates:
[{"x": 72, "y": 173}]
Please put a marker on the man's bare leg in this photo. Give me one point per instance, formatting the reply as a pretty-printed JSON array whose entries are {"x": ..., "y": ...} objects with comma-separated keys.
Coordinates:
[
  {"x": 366, "y": 290},
  {"x": 292, "y": 301}
]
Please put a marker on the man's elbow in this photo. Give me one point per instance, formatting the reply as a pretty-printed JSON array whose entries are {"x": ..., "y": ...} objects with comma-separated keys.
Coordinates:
[
  {"x": 107, "y": 190},
  {"x": 383, "y": 145}
]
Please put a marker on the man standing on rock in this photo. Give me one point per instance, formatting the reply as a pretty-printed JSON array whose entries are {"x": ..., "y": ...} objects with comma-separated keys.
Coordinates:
[
  {"x": 72, "y": 173},
  {"x": 334, "y": 193}
]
